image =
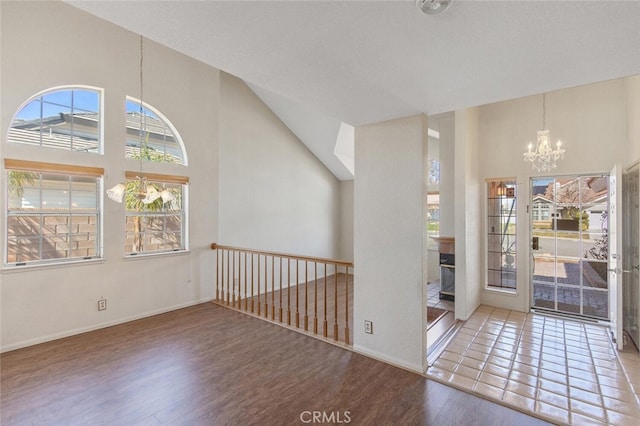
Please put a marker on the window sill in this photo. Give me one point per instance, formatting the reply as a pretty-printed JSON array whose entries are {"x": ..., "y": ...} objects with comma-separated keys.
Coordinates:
[
  {"x": 159, "y": 254},
  {"x": 506, "y": 292},
  {"x": 37, "y": 266}
]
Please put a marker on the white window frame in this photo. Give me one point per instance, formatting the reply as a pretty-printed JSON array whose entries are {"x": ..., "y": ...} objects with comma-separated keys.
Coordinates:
[{"x": 65, "y": 172}]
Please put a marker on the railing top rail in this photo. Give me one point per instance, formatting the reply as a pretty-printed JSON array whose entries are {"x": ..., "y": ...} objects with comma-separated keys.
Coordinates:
[{"x": 215, "y": 246}]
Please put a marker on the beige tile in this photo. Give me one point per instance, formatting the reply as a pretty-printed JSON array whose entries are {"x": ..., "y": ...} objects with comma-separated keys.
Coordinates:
[
  {"x": 616, "y": 374},
  {"x": 618, "y": 394},
  {"x": 507, "y": 346},
  {"x": 469, "y": 372},
  {"x": 502, "y": 362},
  {"x": 451, "y": 356},
  {"x": 525, "y": 368},
  {"x": 552, "y": 411},
  {"x": 623, "y": 407},
  {"x": 481, "y": 356},
  {"x": 552, "y": 375},
  {"x": 488, "y": 391},
  {"x": 611, "y": 364},
  {"x": 479, "y": 347},
  {"x": 553, "y": 398},
  {"x": 493, "y": 380},
  {"x": 583, "y": 374},
  {"x": 438, "y": 373},
  {"x": 615, "y": 383},
  {"x": 521, "y": 389},
  {"x": 554, "y": 387},
  {"x": 585, "y": 396},
  {"x": 594, "y": 411},
  {"x": 620, "y": 419},
  {"x": 580, "y": 357},
  {"x": 524, "y": 378},
  {"x": 522, "y": 402},
  {"x": 580, "y": 420},
  {"x": 496, "y": 370},
  {"x": 552, "y": 366},
  {"x": 472, "y": 363},
  {"x": 462, "y": 381},
  {"x": 444, "y": 364},
  {"x": 502, "y": 353},
  {"x": 586, "y": 385},
  {"x": 526, "y": 359}
]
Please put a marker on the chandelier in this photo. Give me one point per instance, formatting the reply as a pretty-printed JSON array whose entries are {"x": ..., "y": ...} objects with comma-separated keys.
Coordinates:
[
  {"x": 139, "y": 189},
  {"x": 543, "y": 158}
]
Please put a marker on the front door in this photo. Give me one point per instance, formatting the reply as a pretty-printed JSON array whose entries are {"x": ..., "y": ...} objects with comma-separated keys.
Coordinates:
[
  {"x": 615, "y": 256},
  {"x": 570, "y": 247},
  {"x": 631, "y": 237}
]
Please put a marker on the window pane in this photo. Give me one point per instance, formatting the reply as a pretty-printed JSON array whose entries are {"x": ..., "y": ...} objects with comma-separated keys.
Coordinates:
[
  {"x": 501, "y": 234},
  {"x": 64, "y": 119},
  {"x": 55, "y": 192},
  {"x": 50, "y": 230},
  {"x": 157, "y": 226},
  {"x": 151, "y": 134}
]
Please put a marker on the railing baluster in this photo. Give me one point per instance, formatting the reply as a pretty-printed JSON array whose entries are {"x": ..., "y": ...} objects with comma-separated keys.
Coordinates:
[
  {"x": 228, "y": 270},
  {"x": 238, "y": 279},
  {"x": 335, "y": 304},
  {"x": 346, "y": 308},
  {"x": 252, "y": 289},
  {"x": 218, "y": 274},
  {"x": 266, "y": 289},
  {"x": 315, "y": 299},
  {"x": 297, "y": 294},
  {"x": 258, "y": 285},
  {"x": 306, "y": 298},
  {"x": 288, "y": 291},
  {"x": 273, "y": 290},
  {"x": 233, "y": 278},
  {"x": 246, "y": 297},
  {"x": 280, "y": 289},
  {"x": 325, "y": 324}
]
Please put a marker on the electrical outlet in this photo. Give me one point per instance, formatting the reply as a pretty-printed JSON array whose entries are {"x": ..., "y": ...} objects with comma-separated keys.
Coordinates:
[
  {"x": 102, "y": 304},
  {"x": 368, "y": 327}
]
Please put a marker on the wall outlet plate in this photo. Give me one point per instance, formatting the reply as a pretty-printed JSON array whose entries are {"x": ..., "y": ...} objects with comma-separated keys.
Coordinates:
[
  {"x": 102, "y": 304},
  {"x": 368, "y": 327}
]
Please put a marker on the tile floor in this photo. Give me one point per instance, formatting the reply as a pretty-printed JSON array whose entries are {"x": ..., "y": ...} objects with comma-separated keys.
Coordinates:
[
  {"x": 433, "y": 298},
  {"x": 564, "y": 371}
]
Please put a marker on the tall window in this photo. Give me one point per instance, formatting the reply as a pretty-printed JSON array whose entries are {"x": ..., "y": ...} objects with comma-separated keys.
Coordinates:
[
  {"x": 501, "y": 230},
  {"x": 64, "y": 118},
  {"x": 52, "y": 212},
  {"x": 158, "y": 225},
  {"x": 161, "y": 143}
]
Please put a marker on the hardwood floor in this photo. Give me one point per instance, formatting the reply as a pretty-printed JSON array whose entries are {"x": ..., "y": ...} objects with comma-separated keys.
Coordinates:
[{"x": 208, "y": 365}]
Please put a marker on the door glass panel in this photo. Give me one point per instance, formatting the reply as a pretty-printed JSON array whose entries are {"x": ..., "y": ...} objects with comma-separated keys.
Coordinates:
[{"x": 570, "y": 247}]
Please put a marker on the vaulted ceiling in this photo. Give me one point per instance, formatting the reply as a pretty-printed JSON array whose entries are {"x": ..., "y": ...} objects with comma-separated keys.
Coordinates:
[{"x": 320, "y": 63}]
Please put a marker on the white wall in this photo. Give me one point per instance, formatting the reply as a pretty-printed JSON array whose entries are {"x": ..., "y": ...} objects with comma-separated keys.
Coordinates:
[
  {"x": 468, "y": 226},
  {"x": 590, "y": 120},
  {"x": 47, "y": 44},
  {"x": 346, "y": 220},
  {"x": 633, "y": 119},
  {"x": 388, "y": 244},
  {"x": 275, "y": 194}
]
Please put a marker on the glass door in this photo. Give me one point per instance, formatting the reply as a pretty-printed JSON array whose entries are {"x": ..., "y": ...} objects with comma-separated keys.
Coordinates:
[
  {"x": 631, "y": 280},
  {"x": 570, "y": 248}
]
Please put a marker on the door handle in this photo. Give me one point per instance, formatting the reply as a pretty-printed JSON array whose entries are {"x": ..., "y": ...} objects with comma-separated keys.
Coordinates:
[{"x": 535, "y": 245}]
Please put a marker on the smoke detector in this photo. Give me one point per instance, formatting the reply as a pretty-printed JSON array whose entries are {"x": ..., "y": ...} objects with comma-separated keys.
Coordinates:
[{"x": 433, "y": 7}]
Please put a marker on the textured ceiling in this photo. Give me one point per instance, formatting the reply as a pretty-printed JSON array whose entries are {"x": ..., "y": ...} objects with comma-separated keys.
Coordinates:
[{"x": 368, "y": 61}]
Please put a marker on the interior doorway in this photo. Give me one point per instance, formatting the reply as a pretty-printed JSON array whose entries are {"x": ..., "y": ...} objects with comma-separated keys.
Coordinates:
[
  {"x": 631, "y": 282},
  {"x": 570, "y": 245}
]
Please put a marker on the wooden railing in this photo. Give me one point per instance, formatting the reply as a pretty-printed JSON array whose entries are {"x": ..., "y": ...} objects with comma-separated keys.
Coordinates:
[{"x": 307, "y": 293}]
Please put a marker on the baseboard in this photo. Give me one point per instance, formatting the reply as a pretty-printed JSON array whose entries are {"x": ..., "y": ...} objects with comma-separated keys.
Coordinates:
[
  {"x": 68, "y": 333},
  {"x": 414, "y": 368}
]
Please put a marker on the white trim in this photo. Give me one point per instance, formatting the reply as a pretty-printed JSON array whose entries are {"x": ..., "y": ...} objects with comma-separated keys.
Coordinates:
[
  {"x": 414, "y": 368},
  {"x": 75, "y": 331}
]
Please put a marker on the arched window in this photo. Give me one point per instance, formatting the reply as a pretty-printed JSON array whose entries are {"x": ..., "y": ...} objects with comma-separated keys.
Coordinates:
[
  {"x": 65, "y": 118},
  {"x": 151, "y": 135}
]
